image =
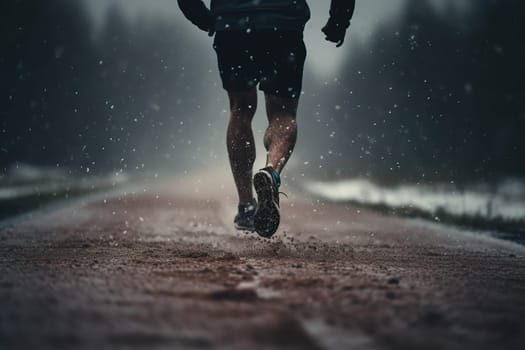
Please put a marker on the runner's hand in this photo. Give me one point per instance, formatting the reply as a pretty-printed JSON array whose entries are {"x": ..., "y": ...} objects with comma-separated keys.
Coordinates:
[{"x": 335, "y": 32}]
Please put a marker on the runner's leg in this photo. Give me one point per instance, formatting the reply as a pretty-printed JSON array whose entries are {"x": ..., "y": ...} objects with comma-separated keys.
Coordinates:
[
  {"x": 281, "y": 134},
  {"x": 240, "y": 143}
]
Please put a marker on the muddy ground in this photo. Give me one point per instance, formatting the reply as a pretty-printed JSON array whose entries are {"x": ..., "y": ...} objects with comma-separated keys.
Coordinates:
[{"x": 161, "y": 267}]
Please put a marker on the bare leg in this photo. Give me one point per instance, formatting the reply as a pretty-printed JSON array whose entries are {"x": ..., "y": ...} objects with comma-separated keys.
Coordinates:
[
  {"x": 241, "y": 146},
  {"x": 281, "y": 134}
]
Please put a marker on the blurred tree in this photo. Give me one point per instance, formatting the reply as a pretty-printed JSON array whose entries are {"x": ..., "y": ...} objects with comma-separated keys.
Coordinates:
[
  {"x": 434, "y": 97},
  {"x": 113, "y": 101},
  {"x": 42, "y": 68},
  {"x": 495, "y": 82}
]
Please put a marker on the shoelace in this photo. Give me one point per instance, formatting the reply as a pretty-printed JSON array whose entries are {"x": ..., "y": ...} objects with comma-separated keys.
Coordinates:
[{"x": 283, "y": 194}]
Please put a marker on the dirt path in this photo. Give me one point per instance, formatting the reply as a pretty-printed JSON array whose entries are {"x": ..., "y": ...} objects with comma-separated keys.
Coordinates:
[{"x": 162, "y": 267}]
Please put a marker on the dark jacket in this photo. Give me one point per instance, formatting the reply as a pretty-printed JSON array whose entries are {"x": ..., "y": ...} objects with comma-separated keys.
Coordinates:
[{"x": 260, "y": 14}]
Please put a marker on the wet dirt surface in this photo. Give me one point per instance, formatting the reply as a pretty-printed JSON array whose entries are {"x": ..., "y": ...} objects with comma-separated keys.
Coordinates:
[{"x": 163, "y": 268}]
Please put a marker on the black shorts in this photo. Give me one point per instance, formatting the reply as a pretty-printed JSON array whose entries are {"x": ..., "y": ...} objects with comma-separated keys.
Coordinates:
[{"x": 273, "y": 59}]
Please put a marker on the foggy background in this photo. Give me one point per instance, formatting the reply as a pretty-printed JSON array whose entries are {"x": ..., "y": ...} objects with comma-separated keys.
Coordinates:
[{"x": 424, "y": 93}]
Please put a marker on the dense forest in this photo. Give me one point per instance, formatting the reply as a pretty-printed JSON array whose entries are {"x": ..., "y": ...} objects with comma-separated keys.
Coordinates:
[
  {"x": 435, "y": 97},
  {"x": 103, "y": 103}
]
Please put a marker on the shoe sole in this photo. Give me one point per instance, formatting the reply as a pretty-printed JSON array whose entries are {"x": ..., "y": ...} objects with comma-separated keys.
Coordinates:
[
  {"x": 244, "y": 228},
  {"x": 267, "y": 216}
]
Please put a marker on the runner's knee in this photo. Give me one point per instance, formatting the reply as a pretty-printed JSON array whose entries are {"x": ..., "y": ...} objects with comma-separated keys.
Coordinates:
[
  {"x": 281, "y": 107},
  {"x": 243, "y": 105}
]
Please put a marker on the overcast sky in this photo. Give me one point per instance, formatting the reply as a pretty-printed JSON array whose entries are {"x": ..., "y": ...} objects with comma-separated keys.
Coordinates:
[
  {"x": 371, "y": 12},
  {"x": 325, "y": 59}
]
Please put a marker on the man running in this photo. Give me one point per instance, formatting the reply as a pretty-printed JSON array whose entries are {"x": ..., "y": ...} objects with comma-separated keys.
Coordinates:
[{"x": 260, "y": 42}]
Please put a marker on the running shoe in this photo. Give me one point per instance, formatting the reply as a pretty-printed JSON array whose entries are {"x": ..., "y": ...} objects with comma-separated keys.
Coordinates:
[
  {"x": 244, "y": 218},
  {"x": 267, "y": 217}
]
